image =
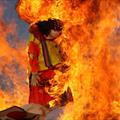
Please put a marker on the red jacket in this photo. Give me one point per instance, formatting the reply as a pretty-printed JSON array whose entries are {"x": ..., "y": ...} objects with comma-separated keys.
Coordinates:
[{"x": 38, "y": 94}]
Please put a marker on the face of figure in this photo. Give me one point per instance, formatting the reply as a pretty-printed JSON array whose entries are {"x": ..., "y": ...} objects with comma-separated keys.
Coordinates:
[
  {"x": 53, "y": 35},
  {"x": 47, "y": 30}
]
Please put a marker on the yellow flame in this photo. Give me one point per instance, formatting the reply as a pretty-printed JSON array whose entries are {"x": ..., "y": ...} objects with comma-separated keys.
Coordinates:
[{"x": 90, "y": 45}]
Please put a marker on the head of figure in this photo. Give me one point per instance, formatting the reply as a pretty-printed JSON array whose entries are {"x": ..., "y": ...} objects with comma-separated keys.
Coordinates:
[{"x": 50, "y": 29}]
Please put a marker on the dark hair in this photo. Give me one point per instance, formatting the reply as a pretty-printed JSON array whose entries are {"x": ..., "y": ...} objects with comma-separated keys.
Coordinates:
[{"x": 51, "y": 24}]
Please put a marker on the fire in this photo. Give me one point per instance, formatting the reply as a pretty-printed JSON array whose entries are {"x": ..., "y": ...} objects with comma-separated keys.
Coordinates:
[
  {"x": 12, "y": 66},
  {"x": 90, "y": 45}
]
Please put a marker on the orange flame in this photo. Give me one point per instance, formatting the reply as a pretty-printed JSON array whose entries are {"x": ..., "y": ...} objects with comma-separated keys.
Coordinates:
[{"x": 90, "y": 44}]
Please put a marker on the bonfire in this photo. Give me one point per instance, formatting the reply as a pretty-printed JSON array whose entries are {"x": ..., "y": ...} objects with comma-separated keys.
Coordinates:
[{"x": 90, "y": 46}]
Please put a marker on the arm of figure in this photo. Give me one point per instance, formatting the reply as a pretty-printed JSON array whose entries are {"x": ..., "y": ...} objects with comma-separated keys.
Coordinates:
[{"x": 33, "y": 54}]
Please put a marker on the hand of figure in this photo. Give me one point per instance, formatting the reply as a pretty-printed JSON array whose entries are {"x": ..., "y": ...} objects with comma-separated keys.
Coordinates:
[
  {"x": 35, "y": 79},
  {"x": 62, "y": 67},
  {"x": 53, "y": 35}
]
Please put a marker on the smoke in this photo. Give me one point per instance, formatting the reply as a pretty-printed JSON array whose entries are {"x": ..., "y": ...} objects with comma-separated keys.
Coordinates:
[{"x": 13, "y": 63}]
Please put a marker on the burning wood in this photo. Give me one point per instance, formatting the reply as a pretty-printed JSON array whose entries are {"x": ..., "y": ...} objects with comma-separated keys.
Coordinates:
[{"x": 16, "y": 113}]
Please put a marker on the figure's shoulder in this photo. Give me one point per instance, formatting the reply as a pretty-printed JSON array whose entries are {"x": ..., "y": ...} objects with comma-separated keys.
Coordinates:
[{"x": 33, "y": 40}]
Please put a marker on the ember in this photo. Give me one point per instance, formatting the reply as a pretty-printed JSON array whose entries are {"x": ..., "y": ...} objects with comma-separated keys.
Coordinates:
[{"x": 90, "y": 45}]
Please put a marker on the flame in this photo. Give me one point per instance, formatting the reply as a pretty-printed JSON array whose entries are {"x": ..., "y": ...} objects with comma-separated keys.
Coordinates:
[
  {"x": 13, "y": 66},
  {"x": 90, "y": 45}
]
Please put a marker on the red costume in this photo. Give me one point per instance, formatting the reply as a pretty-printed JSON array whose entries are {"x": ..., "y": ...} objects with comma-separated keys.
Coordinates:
[
  {"x": 42, "y": 31},
  {"x": 38, "y": 94}
]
